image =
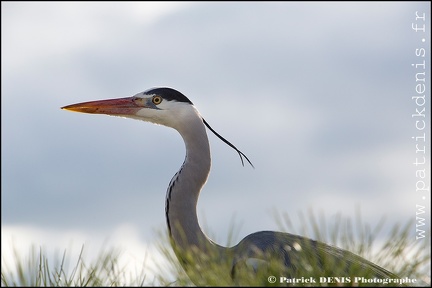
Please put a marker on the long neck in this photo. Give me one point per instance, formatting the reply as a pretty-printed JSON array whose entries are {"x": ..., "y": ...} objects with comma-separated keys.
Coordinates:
[{"x": 184, "y": 189}]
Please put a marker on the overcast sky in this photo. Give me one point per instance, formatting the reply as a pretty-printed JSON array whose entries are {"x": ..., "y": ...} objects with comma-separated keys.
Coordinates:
[{"x": 317, "y": 95}]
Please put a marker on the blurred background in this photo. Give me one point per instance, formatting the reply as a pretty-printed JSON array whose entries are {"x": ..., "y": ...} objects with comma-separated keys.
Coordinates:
[{"x": 317, "y": 95}]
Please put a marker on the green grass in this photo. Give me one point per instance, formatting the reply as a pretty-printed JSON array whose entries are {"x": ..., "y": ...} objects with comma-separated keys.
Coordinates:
[
  {"x": 399, "y": 253},
  {"x": 35, "y": 270}
]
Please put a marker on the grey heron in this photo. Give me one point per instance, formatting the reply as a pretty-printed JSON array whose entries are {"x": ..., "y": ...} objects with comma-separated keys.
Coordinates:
[{"x": 171, "y": 108}]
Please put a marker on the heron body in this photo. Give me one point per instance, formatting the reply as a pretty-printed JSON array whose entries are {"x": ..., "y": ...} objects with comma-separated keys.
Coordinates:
[{"x": 171, "y": 108}]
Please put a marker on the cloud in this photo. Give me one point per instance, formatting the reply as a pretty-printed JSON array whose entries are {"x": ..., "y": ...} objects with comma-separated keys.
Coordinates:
[{"x": 19, "y": 243}]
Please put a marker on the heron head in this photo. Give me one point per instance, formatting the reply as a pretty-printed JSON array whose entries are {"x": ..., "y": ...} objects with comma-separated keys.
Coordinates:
[{"x": 164, "y": 106}]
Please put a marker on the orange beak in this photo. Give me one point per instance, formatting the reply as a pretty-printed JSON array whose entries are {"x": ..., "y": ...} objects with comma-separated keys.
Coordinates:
[{"x": 120, "y": 106}]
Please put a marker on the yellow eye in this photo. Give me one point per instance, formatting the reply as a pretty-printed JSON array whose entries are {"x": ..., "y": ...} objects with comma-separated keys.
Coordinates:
[{"x": 156, "y": 100}]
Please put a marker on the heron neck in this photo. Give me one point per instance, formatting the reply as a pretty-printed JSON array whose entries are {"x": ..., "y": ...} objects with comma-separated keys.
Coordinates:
[{"x": 184, "y": 189}]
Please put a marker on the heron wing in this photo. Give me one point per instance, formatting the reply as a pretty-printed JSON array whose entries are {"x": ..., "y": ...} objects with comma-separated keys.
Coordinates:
[{"x": 301, "y": 256}]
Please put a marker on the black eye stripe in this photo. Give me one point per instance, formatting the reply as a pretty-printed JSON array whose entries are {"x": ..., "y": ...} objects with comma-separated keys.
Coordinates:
[{"x": 168, "y": 94}]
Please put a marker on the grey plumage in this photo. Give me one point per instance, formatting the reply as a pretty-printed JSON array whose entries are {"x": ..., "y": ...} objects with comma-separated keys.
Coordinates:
[{"x": 171, "y": 108}]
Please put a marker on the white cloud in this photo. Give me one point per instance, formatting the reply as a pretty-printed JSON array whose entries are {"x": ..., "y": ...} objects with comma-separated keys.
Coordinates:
[
  {"x": 34, "y": 33},
  {"x": 135, "y": 255}
]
